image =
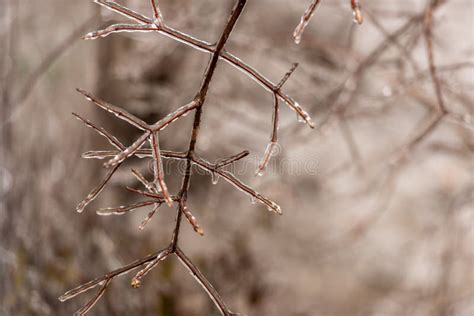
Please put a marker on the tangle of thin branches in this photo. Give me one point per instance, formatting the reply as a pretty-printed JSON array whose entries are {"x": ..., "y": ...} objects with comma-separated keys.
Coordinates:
[{"x": 156, "y": 192}]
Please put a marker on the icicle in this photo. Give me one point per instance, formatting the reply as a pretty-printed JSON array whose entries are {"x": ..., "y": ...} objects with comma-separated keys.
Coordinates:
[
  {"x": 215, "y": 178},
  {"x": 305, "y": 18},
  {"x": 358, "y": 18},
  {"x": 253, "y": 200},
  {"x": 135, "y": 283}
]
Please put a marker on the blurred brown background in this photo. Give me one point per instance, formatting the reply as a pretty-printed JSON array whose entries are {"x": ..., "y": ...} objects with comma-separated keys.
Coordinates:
[{"x": 362, "y": 232}]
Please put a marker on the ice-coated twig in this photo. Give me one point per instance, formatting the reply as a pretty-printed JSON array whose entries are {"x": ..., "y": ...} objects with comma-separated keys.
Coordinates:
[
  {"x": 229, "y": 177},
  {"x": 206, "y": 285},
  {"x": 287, "y": 76},
  {"x": 428, "y": 30},
  {"x": 99, "y": 154},
  {"x": 172, "y": 117},
  {"x": 96, "y": 191},
  {"x": 197, "y": 44},
  {"x": 267, "y": 155},
  {"x": 151, "y": 133},
  {"x": 270, "y": 150},
  {"x": 305, "y": 18},
  {"x": 141, "y": 153},
  {"x": 268, "y": 85},
  {"x": 157, "y": 196},
  {"x": 133, "y": 120},
  {"x": 128, "y": 152},
  {"x": 111, "y": 139},
  {"x": 136, "y": 280},
  {"x": 114, "y": 6},
  {"x": 192, "y": 220},
  {"x": 232, "y": 159},
  {"x": 109, "y": 276},
  {"x": 308, "y": 14},
  {"x": 86, "y": 308},
  {"x": 123, "y": 209},
  {"x": 358, "y": 18},
  {"x": 157, "y": 12},
  {"x": 141, "y": 178},
  {"x": 159, "y": 176}
]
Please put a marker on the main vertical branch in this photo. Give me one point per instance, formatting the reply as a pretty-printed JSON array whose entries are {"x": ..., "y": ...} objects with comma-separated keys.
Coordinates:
[{"x": 201, "y": 99}]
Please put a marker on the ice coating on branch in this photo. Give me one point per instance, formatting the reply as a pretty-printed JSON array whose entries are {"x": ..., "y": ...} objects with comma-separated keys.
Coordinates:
[
  {"x": 193, "y": 221},
  {"x": 123, "y": 209},
  {"x": 305, "y": 18},
  {"x": 128, "y": 152},
  {"x": 120, "y": 28},
  {"x": 215, "y": 178},
  {"x": 149, "y": 216},
  {"x": 356, "y": 11},
  {"x": 269, "y": 152},
  {"x": 96, "y": 191}
]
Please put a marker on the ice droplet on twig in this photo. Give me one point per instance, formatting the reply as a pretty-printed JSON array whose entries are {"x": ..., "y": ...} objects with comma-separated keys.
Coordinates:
[
  {"x": 96, "y": 191},
  {"x": 148, "y": 217},
  {"x": 215, "y": 178},
  {"x": 358, "y": 18},
  {"x": 193, "y": 221},
  {"x": 269, "y": 152},
  {"x": 253, "y": 200},
  {"x": 305, "y": 18},
  {"x": 123, "y": 209}
]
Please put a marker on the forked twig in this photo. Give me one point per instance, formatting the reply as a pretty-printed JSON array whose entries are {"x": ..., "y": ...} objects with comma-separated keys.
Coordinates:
[{"x": 275, "y": 120}]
